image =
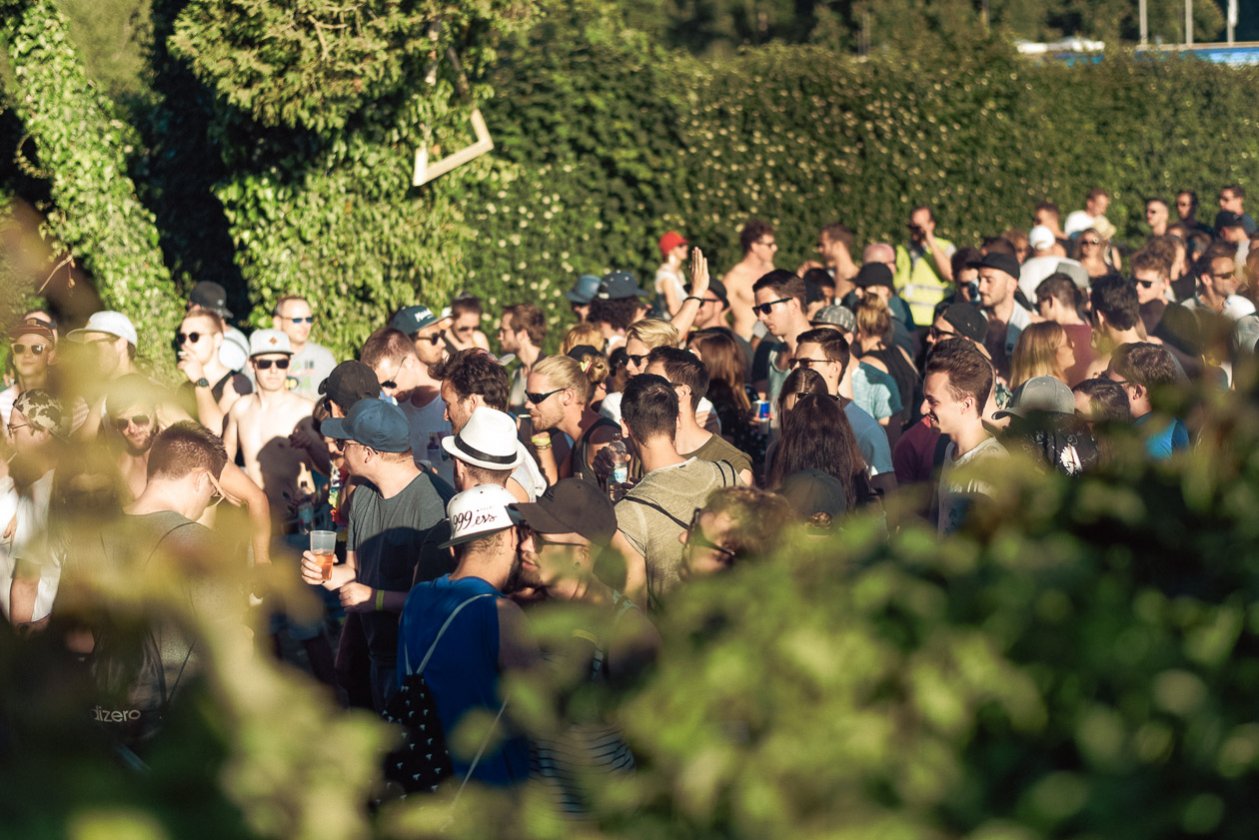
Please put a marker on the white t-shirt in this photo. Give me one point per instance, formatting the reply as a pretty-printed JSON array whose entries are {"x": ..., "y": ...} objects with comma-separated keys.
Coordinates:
[
  {"x": 957, "y": 496},
  {"x": 1035, "y": 270},
  {"x": 428, "y": 427},
  {"x": 29, "y": 542}
]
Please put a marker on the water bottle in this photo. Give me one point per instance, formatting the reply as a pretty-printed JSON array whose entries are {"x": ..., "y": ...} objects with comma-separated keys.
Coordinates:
[{"x": 620, "y": 469}]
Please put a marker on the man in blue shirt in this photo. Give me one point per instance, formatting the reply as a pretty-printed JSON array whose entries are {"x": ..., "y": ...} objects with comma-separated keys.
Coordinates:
[
  {"x": 487, "y": 636},
  {"x": 1140, "y": 367}
]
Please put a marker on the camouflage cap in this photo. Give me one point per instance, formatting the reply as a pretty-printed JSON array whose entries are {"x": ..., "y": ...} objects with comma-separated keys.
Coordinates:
[{"x": 43, "y": 411}]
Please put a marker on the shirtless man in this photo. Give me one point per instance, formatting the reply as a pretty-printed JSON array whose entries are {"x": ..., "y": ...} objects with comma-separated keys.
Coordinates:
[
  {"x": 757, "y": 240},
  {"x": 132, "y": 411},
  {"x": 260, "y": 424},
  {"x": 214, "y": 386}
]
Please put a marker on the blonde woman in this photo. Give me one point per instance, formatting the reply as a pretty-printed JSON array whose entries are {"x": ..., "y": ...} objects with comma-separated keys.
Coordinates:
[
  {"x": 583, "y": 333},
  {"x": 1044, "y": 349}
]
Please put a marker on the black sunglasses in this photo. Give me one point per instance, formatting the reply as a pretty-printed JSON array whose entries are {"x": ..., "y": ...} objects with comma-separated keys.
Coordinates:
[
  {"x": 537, "y": 398},
  {"x": 1145, "y": 284},
  {"x": 188, "y": 338},
  {"x": 938, "y": 333},
  {"x": 766, "y": 308},
  {"x": 637, "y": 358},
  {"x": 140, "y": 421},
  {"x": 309, "y": 319},
  {"x": 265, "y": 364},
  {"x": 436, "y": 338}
]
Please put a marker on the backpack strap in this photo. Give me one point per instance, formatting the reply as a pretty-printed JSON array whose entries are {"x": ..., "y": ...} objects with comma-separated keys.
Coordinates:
[
  {"x": 658, "y": 509},
  {"x": 445, "y": 626}
]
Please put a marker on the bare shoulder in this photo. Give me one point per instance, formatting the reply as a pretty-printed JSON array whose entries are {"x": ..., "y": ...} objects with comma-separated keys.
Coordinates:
[
  {"x": 243, "y": 407},
  {"x": 877, "y": 364}
]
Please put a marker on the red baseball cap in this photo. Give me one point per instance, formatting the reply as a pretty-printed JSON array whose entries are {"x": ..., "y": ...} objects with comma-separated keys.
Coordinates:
[{"x": 669, "y": 241}]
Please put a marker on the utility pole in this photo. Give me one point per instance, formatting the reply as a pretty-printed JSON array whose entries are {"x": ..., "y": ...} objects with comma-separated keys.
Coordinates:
[
  {"x": 1188, "y": 23},
  {"x": 1232, "y": 18},
  {"x": 1145, "y": 22}
]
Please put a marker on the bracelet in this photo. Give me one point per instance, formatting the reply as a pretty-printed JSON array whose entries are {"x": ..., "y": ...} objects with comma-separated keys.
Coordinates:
[
  {"x": 541, "y": 440},
  {"x": 380, "y": 600}
]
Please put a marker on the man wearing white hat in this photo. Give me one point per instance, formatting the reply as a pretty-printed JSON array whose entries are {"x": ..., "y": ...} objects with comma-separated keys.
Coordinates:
[
  {"x": 1044, "y": 262},
  {"x": 487, "y": 633},
  {"x": 485, "y": 450},
  {"x": 264, "y": 420}
]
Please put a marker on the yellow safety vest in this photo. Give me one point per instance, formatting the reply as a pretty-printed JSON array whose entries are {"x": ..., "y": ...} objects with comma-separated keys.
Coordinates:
[{"x": 919, "y": 283}]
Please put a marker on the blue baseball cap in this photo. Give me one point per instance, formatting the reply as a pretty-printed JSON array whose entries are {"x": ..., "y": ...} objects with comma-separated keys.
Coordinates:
[
  {"x": 373, "y": 423},
  {"x": 619, "y": 285},
  {"x": 412, "y": 319},
  {"x": 584, "y": 290}
]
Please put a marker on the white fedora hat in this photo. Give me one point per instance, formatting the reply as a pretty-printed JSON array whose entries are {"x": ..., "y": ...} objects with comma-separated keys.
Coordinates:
[
  {"x": 487, "y": 440},
  {"x": 479, "y": 511}
]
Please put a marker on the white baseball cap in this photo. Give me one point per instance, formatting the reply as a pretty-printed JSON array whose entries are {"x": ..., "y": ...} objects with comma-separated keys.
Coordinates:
[
  {"x": 268, "y": 341},
  {"x": 1040, "y": 238},
  {"x": 108, "y": 322},
  {"x": 478, "y": 512},
  {"x": 487, "y": 440}
]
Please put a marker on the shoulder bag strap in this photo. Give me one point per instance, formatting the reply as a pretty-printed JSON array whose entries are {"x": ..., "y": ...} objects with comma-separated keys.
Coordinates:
[{"x": 445, "y": 626}]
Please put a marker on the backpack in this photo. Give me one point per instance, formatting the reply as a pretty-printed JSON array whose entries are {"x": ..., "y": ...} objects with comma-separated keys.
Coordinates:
[
  {"x": 422, "y": 762},
  {"x": 131, "y": 694}
]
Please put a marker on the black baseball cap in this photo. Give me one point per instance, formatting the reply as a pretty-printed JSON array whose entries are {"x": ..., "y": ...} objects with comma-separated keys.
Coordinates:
[
  {"x": 1228, "y": 219},
  {"x": 718, "y": 289},
  {"x": 818, "y": 497},
  {"x": 350, "y": 382},
  {"x": 571, "y": 506},
  {"x": 1002, "y": 262},
  {"x": 873, "y": 274},
  {"x": 967, "y": 320},
  {"x": 211, "y": 296}
]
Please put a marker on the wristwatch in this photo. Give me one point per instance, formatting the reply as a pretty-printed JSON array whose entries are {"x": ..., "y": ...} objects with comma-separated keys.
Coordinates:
[{"x": 202, "y": 383}]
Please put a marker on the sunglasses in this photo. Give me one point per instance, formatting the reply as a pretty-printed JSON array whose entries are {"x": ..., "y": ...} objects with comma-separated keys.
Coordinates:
[
  {"x": 389, "y": 384},
  {"x": 806, "y": 363},
  {"x": 188, "y": 338},
  {"x": 1145, "y": 284},
  {"x": 1090, "y": 242},
  {"x": 433, "y": 339},
  {"x": 33, "y": 349},
  {"x": 766, "y": 308},
  {"x": 265, "y": 364},
  {"x": 537, "y": 398},
  {"x": 938, "y": 334},
  {"x": 13, "y": 429},
  {"x": 636, "y": 358},
  {"x": 140, "y": 421},
  {"x": 309, "y": 319},
  {"x": 695, "y": 538}
]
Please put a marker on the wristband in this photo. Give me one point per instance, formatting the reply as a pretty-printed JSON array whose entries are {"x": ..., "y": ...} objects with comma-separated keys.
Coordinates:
[
  {"x": 380, "y": 600},
  {"x": 541, "y": 441},
  {"x": 692, "y": 297}
]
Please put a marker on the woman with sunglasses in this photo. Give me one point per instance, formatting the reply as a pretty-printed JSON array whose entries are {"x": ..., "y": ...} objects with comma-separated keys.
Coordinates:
[
  {"x": 1094, "y": 253},
  {"x": 464, "y": 330},
  {"x": 32, "y": 349}
]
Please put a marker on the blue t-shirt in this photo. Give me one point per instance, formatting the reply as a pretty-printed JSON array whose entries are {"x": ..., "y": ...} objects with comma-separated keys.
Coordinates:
[
  {"x": 1172, "y": 438},
  {"x": 463, "y": 673},
  {"x": 871, "y": 439}
]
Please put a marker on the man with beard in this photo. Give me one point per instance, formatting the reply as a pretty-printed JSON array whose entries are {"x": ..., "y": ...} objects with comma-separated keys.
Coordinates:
[
  {"x": 30, "y": 570},
  {"x": 392, "y": 538},
  {"x": 130, "y": 408},
  {"x": 486, "y": 632}
]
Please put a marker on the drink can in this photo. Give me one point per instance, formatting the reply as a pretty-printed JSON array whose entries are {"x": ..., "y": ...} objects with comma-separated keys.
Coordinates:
[
  {"x": 620, "y": 473},
  {"x": 760, "y": 411}
]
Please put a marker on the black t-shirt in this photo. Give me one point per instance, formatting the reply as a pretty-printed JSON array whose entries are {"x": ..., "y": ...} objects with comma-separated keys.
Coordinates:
[{"x": 395, "y": 542}]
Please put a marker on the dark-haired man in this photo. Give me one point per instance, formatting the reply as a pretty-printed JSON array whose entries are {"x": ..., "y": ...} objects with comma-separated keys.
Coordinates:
[
  {"x": 1232, "y": 199},
  {"x": 214, "y": 387},
  {"x": 32, "y": 350},
  {"x": 735, "y": 524},
  {"x": 405, "y": 374},
  {"x": 521, "y": 331},
  {"x": 160, "y": 537},
  {"x": 1157, "y": 215},
  {"x": 473, "y": 379},
  {"x": 1187, "y": 212},
  {"x": 759, "y": 247},
  {"x": 393, "y": 536},
  {"x": 834, "y": 244},
  {"x": 779, "y": 305},
  {"x": 1139, "y": 368},
  {"x": 956, "y": 385},
  {"x": 1117, "y": 316},
  {"x": 1152, "y": 275},
  {"x": 658, "y": 509},
  {"x": 998, "y": 281},
  {"x": 689, "y": 378}
]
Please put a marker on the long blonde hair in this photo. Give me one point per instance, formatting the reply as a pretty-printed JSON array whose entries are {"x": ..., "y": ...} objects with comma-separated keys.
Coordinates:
[{"x": 1036, "y": 353}]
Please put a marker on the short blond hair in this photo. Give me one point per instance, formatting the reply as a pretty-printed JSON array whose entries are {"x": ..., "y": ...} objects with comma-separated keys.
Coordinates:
[
  {"x": 566, "y": 373},
  {"x": 654, "y": 333},
  {"x": 583, "y": 333}
]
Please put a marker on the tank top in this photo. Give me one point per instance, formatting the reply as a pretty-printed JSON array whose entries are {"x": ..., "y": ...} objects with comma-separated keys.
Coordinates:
[{"x": 907, "y": 382}]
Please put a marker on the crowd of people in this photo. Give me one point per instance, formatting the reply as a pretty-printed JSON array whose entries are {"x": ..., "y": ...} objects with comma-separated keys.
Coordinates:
[{"x": 670, "y": 433}]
